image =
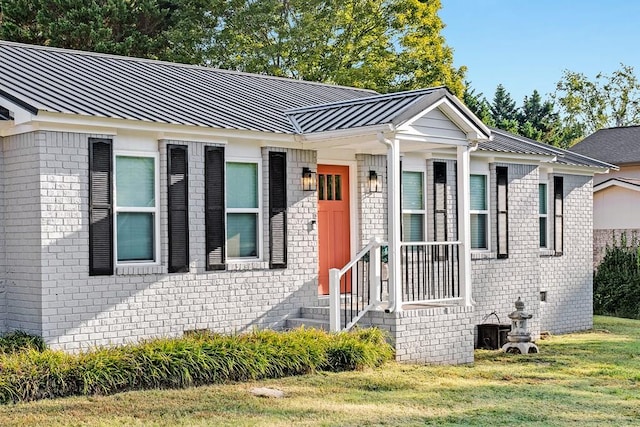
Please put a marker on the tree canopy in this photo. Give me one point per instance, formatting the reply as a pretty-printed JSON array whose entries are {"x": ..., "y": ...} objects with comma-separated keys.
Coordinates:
[
  {"x": 536, "y": 118},
  {"x": 171, "y": 30},
  {"x": 385, "y": 45},
  {"x": 607, "y": 101}
]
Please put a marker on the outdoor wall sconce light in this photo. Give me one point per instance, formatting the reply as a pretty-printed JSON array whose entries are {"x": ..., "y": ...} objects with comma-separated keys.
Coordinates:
[
  {"x": 308, "y": 180},
  {"x": 374, "y": 182}
]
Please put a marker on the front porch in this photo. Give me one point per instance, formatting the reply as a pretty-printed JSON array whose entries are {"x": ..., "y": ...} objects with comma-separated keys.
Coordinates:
[{"x": 420, "y": 290}]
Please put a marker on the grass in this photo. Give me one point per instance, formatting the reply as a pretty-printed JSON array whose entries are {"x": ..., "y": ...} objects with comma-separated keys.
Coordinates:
[{"x": 590, "y": 378}]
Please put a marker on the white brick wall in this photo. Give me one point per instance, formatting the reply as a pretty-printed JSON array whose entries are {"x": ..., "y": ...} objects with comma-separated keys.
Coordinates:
[
  {"x": 50, "y": 285},
  {"x": 372, "y": 212},
  {"x": 440, "y": 335},
  {"x": 3, "y": 263},
  {"x": 22, "y": 224},
  {"x": 497, "y": 283},
  {"x": 48, "y": 291},
  {"x": 568, "y": 279}
]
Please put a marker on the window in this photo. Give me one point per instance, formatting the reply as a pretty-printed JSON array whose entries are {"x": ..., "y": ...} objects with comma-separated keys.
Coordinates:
[
  {"x": 243, "y": 210},
  {"x": 542, "y": 213},
  {"x": 479, "y": 212},
  {"x": 413, "y": 212},
  {"x": 136, "y": 208}
]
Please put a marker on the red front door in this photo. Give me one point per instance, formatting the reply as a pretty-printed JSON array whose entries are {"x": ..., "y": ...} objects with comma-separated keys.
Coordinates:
[{"x": 333, "y": 221}]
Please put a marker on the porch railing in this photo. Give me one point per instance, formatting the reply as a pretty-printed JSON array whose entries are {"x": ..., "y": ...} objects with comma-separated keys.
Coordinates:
[
  {"x": 356, "y": 288},
  {"x": 430, "y": 273}
]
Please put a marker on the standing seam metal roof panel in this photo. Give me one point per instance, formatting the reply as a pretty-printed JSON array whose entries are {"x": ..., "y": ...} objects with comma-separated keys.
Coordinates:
[
  {"x": 109, "y": 86},
  {"x": 377, "y": 109}
]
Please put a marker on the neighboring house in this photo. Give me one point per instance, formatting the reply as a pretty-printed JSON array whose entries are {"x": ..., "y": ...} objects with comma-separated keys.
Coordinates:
[
  {"x": 616, "y": 196},
  {"x": 143, "y": 198}
]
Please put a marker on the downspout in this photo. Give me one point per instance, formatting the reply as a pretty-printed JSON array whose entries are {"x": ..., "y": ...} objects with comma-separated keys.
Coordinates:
[{"x": 393, "y": 220}]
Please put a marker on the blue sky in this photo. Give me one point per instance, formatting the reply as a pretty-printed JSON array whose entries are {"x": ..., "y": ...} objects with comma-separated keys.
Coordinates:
[{"x": 525, "y": 45}]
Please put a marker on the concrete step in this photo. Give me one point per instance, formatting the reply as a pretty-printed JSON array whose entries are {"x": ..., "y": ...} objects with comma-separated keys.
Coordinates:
[
  {"x": 308, "y": 323},
  {"x": 316, "y": 313}
]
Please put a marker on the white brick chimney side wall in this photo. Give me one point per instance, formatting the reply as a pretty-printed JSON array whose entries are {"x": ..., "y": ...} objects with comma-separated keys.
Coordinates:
[{"x": 21, "y": 223}]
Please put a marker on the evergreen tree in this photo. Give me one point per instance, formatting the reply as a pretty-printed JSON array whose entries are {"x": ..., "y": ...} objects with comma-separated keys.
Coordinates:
[
  {"x": 478, "y": 104},
  {"x": 503, "y": 110}
]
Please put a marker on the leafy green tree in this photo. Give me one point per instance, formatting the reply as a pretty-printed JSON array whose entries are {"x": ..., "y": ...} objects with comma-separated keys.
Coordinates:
[
  {"x": 386, "y": 45},
  {"x": 172, "y": 30},
  {"x": 608, "y": 100}
]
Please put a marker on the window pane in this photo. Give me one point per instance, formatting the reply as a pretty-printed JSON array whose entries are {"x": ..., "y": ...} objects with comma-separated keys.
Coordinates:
[
  {"x": 135, "y": 181},
  {"x": 242, "y": 235},
  {"x": 338, "y": 187},
  {"x": 412, "y": 228},
  {"x": 478, "y": 186},
  {"x": 542, "y": 189},
  {"x": 543, "y": 232},
  {"x": 412, "y": 193},
  {"x": 321, "y": 187},
  {"x": 478, "y": 231},
  {"x": 135, "y": 236},
  {"x": 242, "y": 185}
]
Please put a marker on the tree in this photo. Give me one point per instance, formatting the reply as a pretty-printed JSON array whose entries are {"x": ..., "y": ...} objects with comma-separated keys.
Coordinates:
[
  {"x": 171, "y": 30},
  {"x": 386, "y": 45},
  {"x": 503, "y": 110},
  {"x": 609, "y": 100},
  {"x": 538, "y": 119},
  {"x": 478, "y": 104}
]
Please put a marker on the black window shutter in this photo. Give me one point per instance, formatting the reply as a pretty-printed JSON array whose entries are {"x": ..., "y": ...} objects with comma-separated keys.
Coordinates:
[
  {"x": 558, "y": 213},
  {"x": 440, "y": 201},
  {"x": 178, "y": 200},
  {"x": 277, "y": 210},
  {"x": 100, "y": 207},
  {"x": 502, "y": 228},
  {"x": 214, "y": 207}
]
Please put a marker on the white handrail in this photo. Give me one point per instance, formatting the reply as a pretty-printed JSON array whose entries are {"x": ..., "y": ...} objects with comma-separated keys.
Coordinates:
[
  {"x": 372, "y": 244},
  {"x": 430, "y": 243}
]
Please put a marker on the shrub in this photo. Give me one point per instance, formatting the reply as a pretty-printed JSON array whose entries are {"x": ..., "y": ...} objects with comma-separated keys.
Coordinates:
[
  {"x": 19, "y": 341},
  {"x": 200, "y": 358},
  {"x": 616, "y": 282}
]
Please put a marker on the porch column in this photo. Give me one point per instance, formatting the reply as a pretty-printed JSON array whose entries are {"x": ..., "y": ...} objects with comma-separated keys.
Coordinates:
[
  {"x": 394, "y": 218},
  {"x": 464, "y": 222}
]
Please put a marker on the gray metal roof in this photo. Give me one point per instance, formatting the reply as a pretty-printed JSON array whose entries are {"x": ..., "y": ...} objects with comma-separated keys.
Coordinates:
[
  {"x": 506, "y": 142},
  {"x": 618, "y": 145},
  {"x": 89, "y": 84},
  {"x": 373, "y": 110},
  {"x": 391, "y": 108}
]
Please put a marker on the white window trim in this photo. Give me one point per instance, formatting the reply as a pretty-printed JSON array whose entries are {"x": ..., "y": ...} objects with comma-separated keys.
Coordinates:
[
  {"x": 486, "y": 212},
  {"x": 258, "y": 211},
  {"x": 544, "y": 248},
  {"x": 422, "y": 211},
  {"x": 154, "y": 210}
]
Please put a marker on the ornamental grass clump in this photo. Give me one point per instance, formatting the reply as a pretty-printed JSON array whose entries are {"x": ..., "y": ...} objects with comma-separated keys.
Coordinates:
[{"x": 195, "y": 359}]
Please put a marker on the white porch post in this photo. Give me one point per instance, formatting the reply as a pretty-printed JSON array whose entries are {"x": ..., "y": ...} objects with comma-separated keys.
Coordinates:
[
  {"x": 334, "y": 300},
  {"x": 394, "y": 218},
  {"x": 464, "y": 223}
]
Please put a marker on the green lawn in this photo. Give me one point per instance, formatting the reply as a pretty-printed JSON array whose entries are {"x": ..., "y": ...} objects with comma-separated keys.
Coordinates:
[{"x": 589, "y": 378}]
